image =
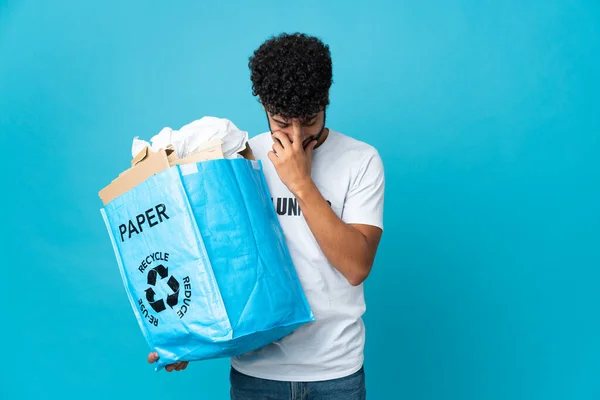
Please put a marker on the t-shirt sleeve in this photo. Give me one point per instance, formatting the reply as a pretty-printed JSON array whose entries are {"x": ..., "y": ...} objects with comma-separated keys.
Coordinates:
[{"x": 364, "y": 201}]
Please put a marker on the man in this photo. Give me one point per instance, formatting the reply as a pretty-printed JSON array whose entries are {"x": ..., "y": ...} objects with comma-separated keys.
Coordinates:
[{"x": 338, "y": 185}]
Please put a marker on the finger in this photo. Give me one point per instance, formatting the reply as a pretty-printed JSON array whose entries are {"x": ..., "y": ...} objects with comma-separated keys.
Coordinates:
[
  {"x": 297, "y": 135},
  {"x": 185, "y": 365},
  {"x": 277, "y": 147},
  {"x": 152, "y": 357},
  {"x": 310, "y": 148},
  {"x": 273, "y": 157},
  {"x": 181, "y": 366},
  {"x": 170, "y": 367},
  {"x": 283, "y": 139}
]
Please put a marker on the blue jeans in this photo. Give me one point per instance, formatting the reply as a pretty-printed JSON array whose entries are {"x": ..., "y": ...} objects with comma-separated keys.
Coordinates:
[{"x": 244, "y": 387}]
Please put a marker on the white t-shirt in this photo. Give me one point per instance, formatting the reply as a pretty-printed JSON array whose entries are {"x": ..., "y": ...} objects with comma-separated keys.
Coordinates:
[{"x": 349, "y": 174}]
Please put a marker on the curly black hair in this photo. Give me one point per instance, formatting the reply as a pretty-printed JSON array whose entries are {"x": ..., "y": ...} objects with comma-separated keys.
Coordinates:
[{"x": 291, "y": 74}]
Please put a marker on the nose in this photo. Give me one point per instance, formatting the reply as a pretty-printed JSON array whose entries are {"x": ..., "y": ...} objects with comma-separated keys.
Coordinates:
[{"x": 296, "y": 124}]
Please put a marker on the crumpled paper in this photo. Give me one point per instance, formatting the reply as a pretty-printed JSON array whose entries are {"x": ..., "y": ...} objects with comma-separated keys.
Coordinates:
[{"x": 196, "y": 136}]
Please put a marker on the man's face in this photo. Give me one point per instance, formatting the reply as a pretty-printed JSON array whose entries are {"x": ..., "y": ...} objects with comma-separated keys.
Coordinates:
[{"x": 309, "y": 127}]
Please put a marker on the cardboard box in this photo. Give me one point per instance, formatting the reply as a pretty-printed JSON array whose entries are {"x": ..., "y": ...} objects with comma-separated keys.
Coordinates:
[{"x": 148, "y": 163}]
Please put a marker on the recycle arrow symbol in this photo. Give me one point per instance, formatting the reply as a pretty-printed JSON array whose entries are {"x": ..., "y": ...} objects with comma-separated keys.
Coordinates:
[
  {"x": 158, "y": 305},
  {"x": 158, "y": 270},
  {"x": 172, "y": 299}
]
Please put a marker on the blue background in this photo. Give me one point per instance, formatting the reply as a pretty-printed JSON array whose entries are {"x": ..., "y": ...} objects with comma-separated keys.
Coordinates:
[{"x": 486, "y": 115}]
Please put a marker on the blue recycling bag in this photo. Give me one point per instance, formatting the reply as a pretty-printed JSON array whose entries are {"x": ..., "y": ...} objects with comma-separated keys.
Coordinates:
[{"x": 204, "y": 261}]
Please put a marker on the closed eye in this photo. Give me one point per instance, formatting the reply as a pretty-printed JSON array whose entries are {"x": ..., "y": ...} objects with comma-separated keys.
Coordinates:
[{"x": 281, "y": 124}]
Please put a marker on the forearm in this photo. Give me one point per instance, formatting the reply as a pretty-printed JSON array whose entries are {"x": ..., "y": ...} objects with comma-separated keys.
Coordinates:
[{"x": 345, "y": 247}]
